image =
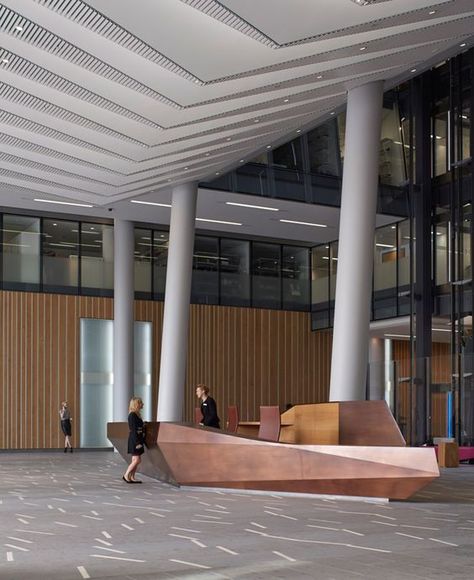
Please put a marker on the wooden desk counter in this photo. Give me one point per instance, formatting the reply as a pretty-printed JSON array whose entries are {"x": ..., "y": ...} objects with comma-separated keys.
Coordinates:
[{"x": 250, "y": 428}]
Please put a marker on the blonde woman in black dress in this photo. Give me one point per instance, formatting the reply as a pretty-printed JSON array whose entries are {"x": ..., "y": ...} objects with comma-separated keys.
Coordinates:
[
  {"x": 136, "y": 439},
  {"x": 65, "y": 415}
]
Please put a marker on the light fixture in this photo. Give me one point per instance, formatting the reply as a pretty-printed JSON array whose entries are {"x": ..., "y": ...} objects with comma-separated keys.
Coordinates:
[
  {"x": 332, "y": 113},
  {"x": 397, "y": 335},
  {"x": 63, "y": 202},
  {"x": 363, "y": 48},
  {"x": 385, "y": 245},
  {"x": 186, "y": 168},
  {"x": 228, "y": 138},
  {"x": 298, "y": 130},
  {"x": 252, "y": 206},
  {"x": 394, "y": 227},
  {"x": 431, "y": 12},
  {"x": 286, "y": 100},
  {"x": 462, "y": 45},
  {"x": 207, "y": 154},
  {"x": 150, "y": 203},
  {"x": 319, "y": 77},
  {"x": 441, "y": 329},
  {"x": 256, "y": 120},
  {"x": 269, "y": 146},
  {"x": 218, "y": 222},
  {"x": 19, "y": 28},
  {"x": 242, "y": 161},
  {"x": 5, "y": 60},
  {"x": 55, "y": 224},
  {"x": 217, "y": 173},
  {"x": 413, "y": 70},
  {"x": 304, "y": 223}
]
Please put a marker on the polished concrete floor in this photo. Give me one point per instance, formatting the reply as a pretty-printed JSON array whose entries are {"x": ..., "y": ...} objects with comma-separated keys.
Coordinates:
[{"x": 71, "y": 516}]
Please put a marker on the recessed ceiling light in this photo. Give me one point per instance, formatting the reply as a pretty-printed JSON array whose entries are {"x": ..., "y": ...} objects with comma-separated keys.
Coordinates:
[
  {"x": 19, "y": 28},
  {"x": 397, "y": 335},
  {"x": 242, "y": 161},
  {"x": 413, "y": 70},
  {"x": 431, "y": 12},
  {"x": 186, "y": 168},
  {"x": 332, "y": 113},
  {"x": 217, "y": 173},
  {"x": 286, "y": 100},
  {"x": 363, "y": 48},
  {"x": 218, "y": 222},
  {"x": 269, "y": 146},
  {"x": 63, "y": 202},
  {"x": 385, "y": 245},
  {"x": 5, "y": 60},
  {"x": 207, "y": 154},
  {"x": 228, "y": 138},
  {"x": 256, "y": 120},
  {"x": 394, "y": 227},
  {"x": 298, "y": 130},
  {"x": 319, "y": 77},
  {"x": 150, "y": 203},
  {"x": 462, "y": 45},
  {"x": 252, "y": 206},
  {"x": 304, "y": 223},
  {"x": 55, "y": 224}
]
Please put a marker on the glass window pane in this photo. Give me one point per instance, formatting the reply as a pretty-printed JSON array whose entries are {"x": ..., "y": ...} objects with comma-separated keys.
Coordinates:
[
  {"x": 441, "y": 253},
  {"x": 323, "y": 149},
  {"x": 97, "y": 256},
  {"x": 333, "y": 252},
  {"x": 295, "y": 278},
  {"x": 235, "y": 272},
  {"x": 404, "y": 253},
  {"x": 266, "y": 287},
  {"x": 205, "y": 283},
  {"x": 391, "y": 152},
  {"x": 60, "y": 254},
  {"x": 143, "y": 259},
  {"x": 385, "y": 272},
  {"x": 160, "y": 258},
  {"x": 320, "y": 274},
  {"x": 21, "y": 251},
  {"x": 439, "y": 138},
  {"x": 288, "y": 170}
]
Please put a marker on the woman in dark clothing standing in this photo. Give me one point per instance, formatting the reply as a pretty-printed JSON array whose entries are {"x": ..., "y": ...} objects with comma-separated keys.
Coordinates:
[
  {"x": 208, "y": 407},
  {"x": 65, "y": 415},
  {"x": 136, "y": 439}
]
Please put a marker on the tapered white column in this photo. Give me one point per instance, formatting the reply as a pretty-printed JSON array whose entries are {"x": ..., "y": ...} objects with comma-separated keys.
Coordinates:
[
  {"x": 123, "y": 316},
  {"x": 356, "y": 243},
  {"x": 179, "y": 269}
]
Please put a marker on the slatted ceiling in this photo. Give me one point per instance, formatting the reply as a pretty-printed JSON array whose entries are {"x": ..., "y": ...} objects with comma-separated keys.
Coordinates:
[
  {"x": 86, "y": 16},
  {"x": 30, "y": 179},
  {"x": 24, "y": 68},
  {"x": 25, "y": 99},
  {"x": 43, "y": 39}
]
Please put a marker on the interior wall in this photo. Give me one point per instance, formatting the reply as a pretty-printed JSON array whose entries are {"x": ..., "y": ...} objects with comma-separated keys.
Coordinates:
[{"x": 248, "y": 357}]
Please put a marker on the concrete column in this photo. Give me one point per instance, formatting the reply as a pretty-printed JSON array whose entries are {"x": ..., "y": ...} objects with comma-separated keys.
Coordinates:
[
  {"x": 356, "y": 243},
  {"x": 179, "y": 269},
  {"x": 123, "y": 317},
  {"x": 376, "y": 369}
]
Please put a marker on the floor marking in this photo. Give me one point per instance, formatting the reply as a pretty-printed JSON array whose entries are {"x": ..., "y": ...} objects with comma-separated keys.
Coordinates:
[
  {"x": 127, "y": 527},
  {"x": 139, "y": 520},
  {"x": 418, "y": 527},
  {"x": 185, "y": 529},
  {"x": 103, "y": 542},
  {"x": 83, "y": 572},
  {"x": 283, "y": 556},
  {"x": 258, "y": 525},
  {"x": 33, "y": 532},
  {"x": 409, "y": 536},
  {"x": 383, "y": 523},
  {"x": 323, "y": 527},
  {"x": 352, "y": 532},
  {"x": 110, "y": 549},
  {"x": 443, "y": 542},
  {"x": 210, "y": 522},
  {"x": 190, "y": 564},
  {"x": 67, "y": 525},
  {"x": 17, "y": 547},
  {"x": 281, "y": 515},
  {"x": 115, "y": 558},
  {"x": 9, "y": 556},
  {"x": 106, "y": 535},
  {"x": 198, "y": 543},
  {"x": 227, "y": 550},
  {"x": 20, "y": 540}
]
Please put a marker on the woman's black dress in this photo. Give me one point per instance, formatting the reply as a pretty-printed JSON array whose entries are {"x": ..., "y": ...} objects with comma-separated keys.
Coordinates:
[{"x": 135, "y": 436}]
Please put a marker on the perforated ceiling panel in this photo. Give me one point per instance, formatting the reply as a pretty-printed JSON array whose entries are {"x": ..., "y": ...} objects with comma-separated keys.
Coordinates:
[{"x": 105, "y": 100}]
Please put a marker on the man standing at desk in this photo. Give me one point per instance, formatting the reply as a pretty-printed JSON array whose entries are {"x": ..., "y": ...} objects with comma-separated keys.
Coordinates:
[{"x": 208, "y": 408}]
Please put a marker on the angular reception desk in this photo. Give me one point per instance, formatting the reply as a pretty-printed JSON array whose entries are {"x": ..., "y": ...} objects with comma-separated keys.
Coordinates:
[{"x": 356, "y": 449}]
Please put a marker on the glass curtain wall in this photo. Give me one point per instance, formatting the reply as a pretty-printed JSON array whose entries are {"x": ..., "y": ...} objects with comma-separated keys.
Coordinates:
[
  {"x": 21, "y": 246},
  {"x": 60, "y": 255}
]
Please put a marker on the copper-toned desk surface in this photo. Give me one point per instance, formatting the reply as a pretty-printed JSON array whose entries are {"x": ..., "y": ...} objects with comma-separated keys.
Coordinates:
[{"x": 189, "y": 455}]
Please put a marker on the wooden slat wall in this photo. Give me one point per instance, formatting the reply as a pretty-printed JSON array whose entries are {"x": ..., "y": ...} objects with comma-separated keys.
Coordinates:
[
  {"x": 246, "y": 356},
  {"x": 440, "y": 373}
]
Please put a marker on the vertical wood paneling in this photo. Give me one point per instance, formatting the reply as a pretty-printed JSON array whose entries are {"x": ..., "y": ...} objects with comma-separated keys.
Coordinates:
[{"x": 248, "y": 357}]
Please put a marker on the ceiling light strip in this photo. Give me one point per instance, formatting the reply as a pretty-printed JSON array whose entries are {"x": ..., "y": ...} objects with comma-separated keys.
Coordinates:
[
  {"x": 218, "y": 222},
  {"x": 150, "y": 203},
  {"x": 252, "y": 206},
  {"x": 304, "y": 223},
  {"x": 62, "y": 202}
]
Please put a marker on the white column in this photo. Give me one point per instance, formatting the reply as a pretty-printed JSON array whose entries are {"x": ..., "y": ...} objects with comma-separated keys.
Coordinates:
[
  {"x": 179, "y": 269},
  {"x": 376, "y": 369},
  {"x": 123, "y": 316},
  {"x": 356, "y": 243}
]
